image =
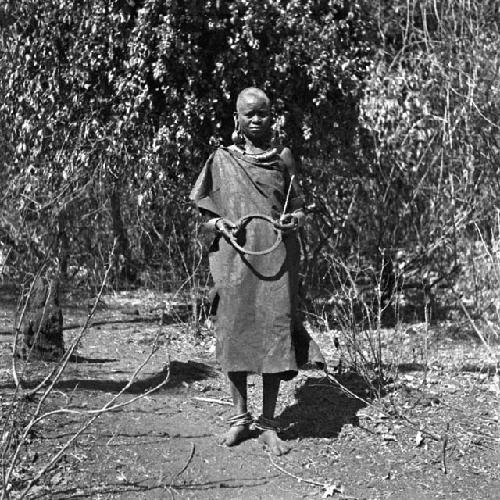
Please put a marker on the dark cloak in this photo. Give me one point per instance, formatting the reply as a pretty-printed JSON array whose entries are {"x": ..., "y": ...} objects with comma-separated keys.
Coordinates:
[{"x": 258, "y": 326}]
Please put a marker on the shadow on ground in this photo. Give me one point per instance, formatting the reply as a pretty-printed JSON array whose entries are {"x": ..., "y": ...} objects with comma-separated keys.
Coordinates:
[
  {"x": 180, "y": 373},
  {"x": 322, "y": 409},
  {"x": 76, "y": 358}
]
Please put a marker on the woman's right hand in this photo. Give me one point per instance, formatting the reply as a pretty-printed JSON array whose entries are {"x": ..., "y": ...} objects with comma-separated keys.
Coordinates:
[{"x": 225, "y": 227}]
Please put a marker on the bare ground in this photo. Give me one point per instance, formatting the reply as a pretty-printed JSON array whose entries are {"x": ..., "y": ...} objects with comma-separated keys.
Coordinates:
[{"x": 430, "y": 440}]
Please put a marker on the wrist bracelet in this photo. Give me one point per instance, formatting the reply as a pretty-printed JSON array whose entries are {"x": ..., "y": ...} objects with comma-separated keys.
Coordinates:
[{"x": 216, "y": 226}]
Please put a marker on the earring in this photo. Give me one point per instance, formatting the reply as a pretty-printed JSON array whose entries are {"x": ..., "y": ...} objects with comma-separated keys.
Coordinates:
[{"x": 237, "y": 136}]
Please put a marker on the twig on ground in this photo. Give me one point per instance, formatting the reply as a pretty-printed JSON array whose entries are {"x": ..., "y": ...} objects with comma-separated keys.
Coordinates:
[
  {"x": 170, "y": 487},
  {"x": 413, "y": 425},
  {"x": 331, "y": 488},
  {"x": 124, "y": 320},
  {"x": 213, "y": 400},
  {"x": 443, "y": 450},
  {"x": 186, "y": 465},
  {"x": 298, "y": 478}
]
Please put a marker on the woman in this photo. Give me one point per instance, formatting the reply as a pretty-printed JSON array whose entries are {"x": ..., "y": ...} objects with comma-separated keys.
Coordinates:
[{"x": 258, "y": 326}]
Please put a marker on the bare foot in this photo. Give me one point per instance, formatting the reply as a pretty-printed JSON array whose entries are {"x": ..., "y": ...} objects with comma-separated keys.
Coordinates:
[
  {"x": 235, "y": 435},
  {"x": 274, "y": 444}
]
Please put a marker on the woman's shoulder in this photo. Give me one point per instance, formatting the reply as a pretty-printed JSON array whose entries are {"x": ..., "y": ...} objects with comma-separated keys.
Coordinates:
[
  {"x": 219, "y": 153},
  {"x": 223, "y": 150},
  {"x": 286, "y": 156}
]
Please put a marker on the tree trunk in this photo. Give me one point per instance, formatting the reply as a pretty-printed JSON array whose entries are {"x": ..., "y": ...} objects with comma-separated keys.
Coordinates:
[
  {"x": 63, "y": 244},
  {"x": 122, "y": 254},
  {"x": 42, "y": 325}
]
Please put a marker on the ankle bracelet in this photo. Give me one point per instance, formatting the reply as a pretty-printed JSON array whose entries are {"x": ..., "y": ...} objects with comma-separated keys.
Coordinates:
[
  {"x": 266, "y": 424},
  {"x": 242, "y": 419}
]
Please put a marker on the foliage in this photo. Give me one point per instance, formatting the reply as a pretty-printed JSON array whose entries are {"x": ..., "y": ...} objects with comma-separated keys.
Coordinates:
[
  {"x": 111, "y": 107},
  {"x": 426, "y": 165}
]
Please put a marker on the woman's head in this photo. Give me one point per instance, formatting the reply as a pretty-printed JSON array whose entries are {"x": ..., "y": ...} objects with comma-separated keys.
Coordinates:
[{"x": 253, "y": 115}]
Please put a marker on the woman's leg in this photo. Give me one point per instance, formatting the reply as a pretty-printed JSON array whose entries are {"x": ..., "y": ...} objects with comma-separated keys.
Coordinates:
[
  {"x": 238, "y": 388},
  {"x": 270, "y": 390}
]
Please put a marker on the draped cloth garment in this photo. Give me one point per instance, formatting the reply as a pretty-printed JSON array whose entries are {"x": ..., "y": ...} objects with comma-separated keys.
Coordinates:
[{"x": 258, "y": 325}]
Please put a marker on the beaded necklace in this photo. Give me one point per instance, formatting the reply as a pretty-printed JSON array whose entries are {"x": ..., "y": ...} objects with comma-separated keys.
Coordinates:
[{"x": 269, "y": 153}]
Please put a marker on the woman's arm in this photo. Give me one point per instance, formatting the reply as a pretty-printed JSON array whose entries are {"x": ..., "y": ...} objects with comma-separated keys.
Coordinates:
[{"x": 296, "y": 203}]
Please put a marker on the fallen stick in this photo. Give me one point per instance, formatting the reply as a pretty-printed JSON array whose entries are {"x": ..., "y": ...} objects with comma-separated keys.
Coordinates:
[
  {"x": 331, "y": 488},
  {"x": 213, "y": 400},
  {"x": 188, "y": 461},
  {"x": 443, "y": 450},
  {"x": 119, "y": 321},
  {"x": 298, "y": 478}
]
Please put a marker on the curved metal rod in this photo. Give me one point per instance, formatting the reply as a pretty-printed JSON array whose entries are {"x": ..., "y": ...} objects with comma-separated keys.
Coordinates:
[{"x": 276, "y": 224}]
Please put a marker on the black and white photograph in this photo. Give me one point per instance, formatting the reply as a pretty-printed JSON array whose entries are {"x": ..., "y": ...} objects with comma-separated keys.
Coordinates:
[{"x": 249, "y": 250}]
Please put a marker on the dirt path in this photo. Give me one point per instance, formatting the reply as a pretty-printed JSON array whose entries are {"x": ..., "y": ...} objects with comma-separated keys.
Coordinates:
[{"x": 164, "y": 446}]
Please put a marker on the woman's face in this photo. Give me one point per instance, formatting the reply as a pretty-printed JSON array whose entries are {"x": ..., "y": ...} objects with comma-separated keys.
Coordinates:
[{"x": 254, "y": 117}]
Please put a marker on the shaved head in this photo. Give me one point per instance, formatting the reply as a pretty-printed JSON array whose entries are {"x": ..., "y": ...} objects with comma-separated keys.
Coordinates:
[{"x": 251, "y": 94}]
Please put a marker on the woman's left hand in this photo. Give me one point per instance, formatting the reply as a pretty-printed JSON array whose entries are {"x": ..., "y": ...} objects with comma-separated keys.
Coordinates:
[{"x": 291, "y": 222}]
